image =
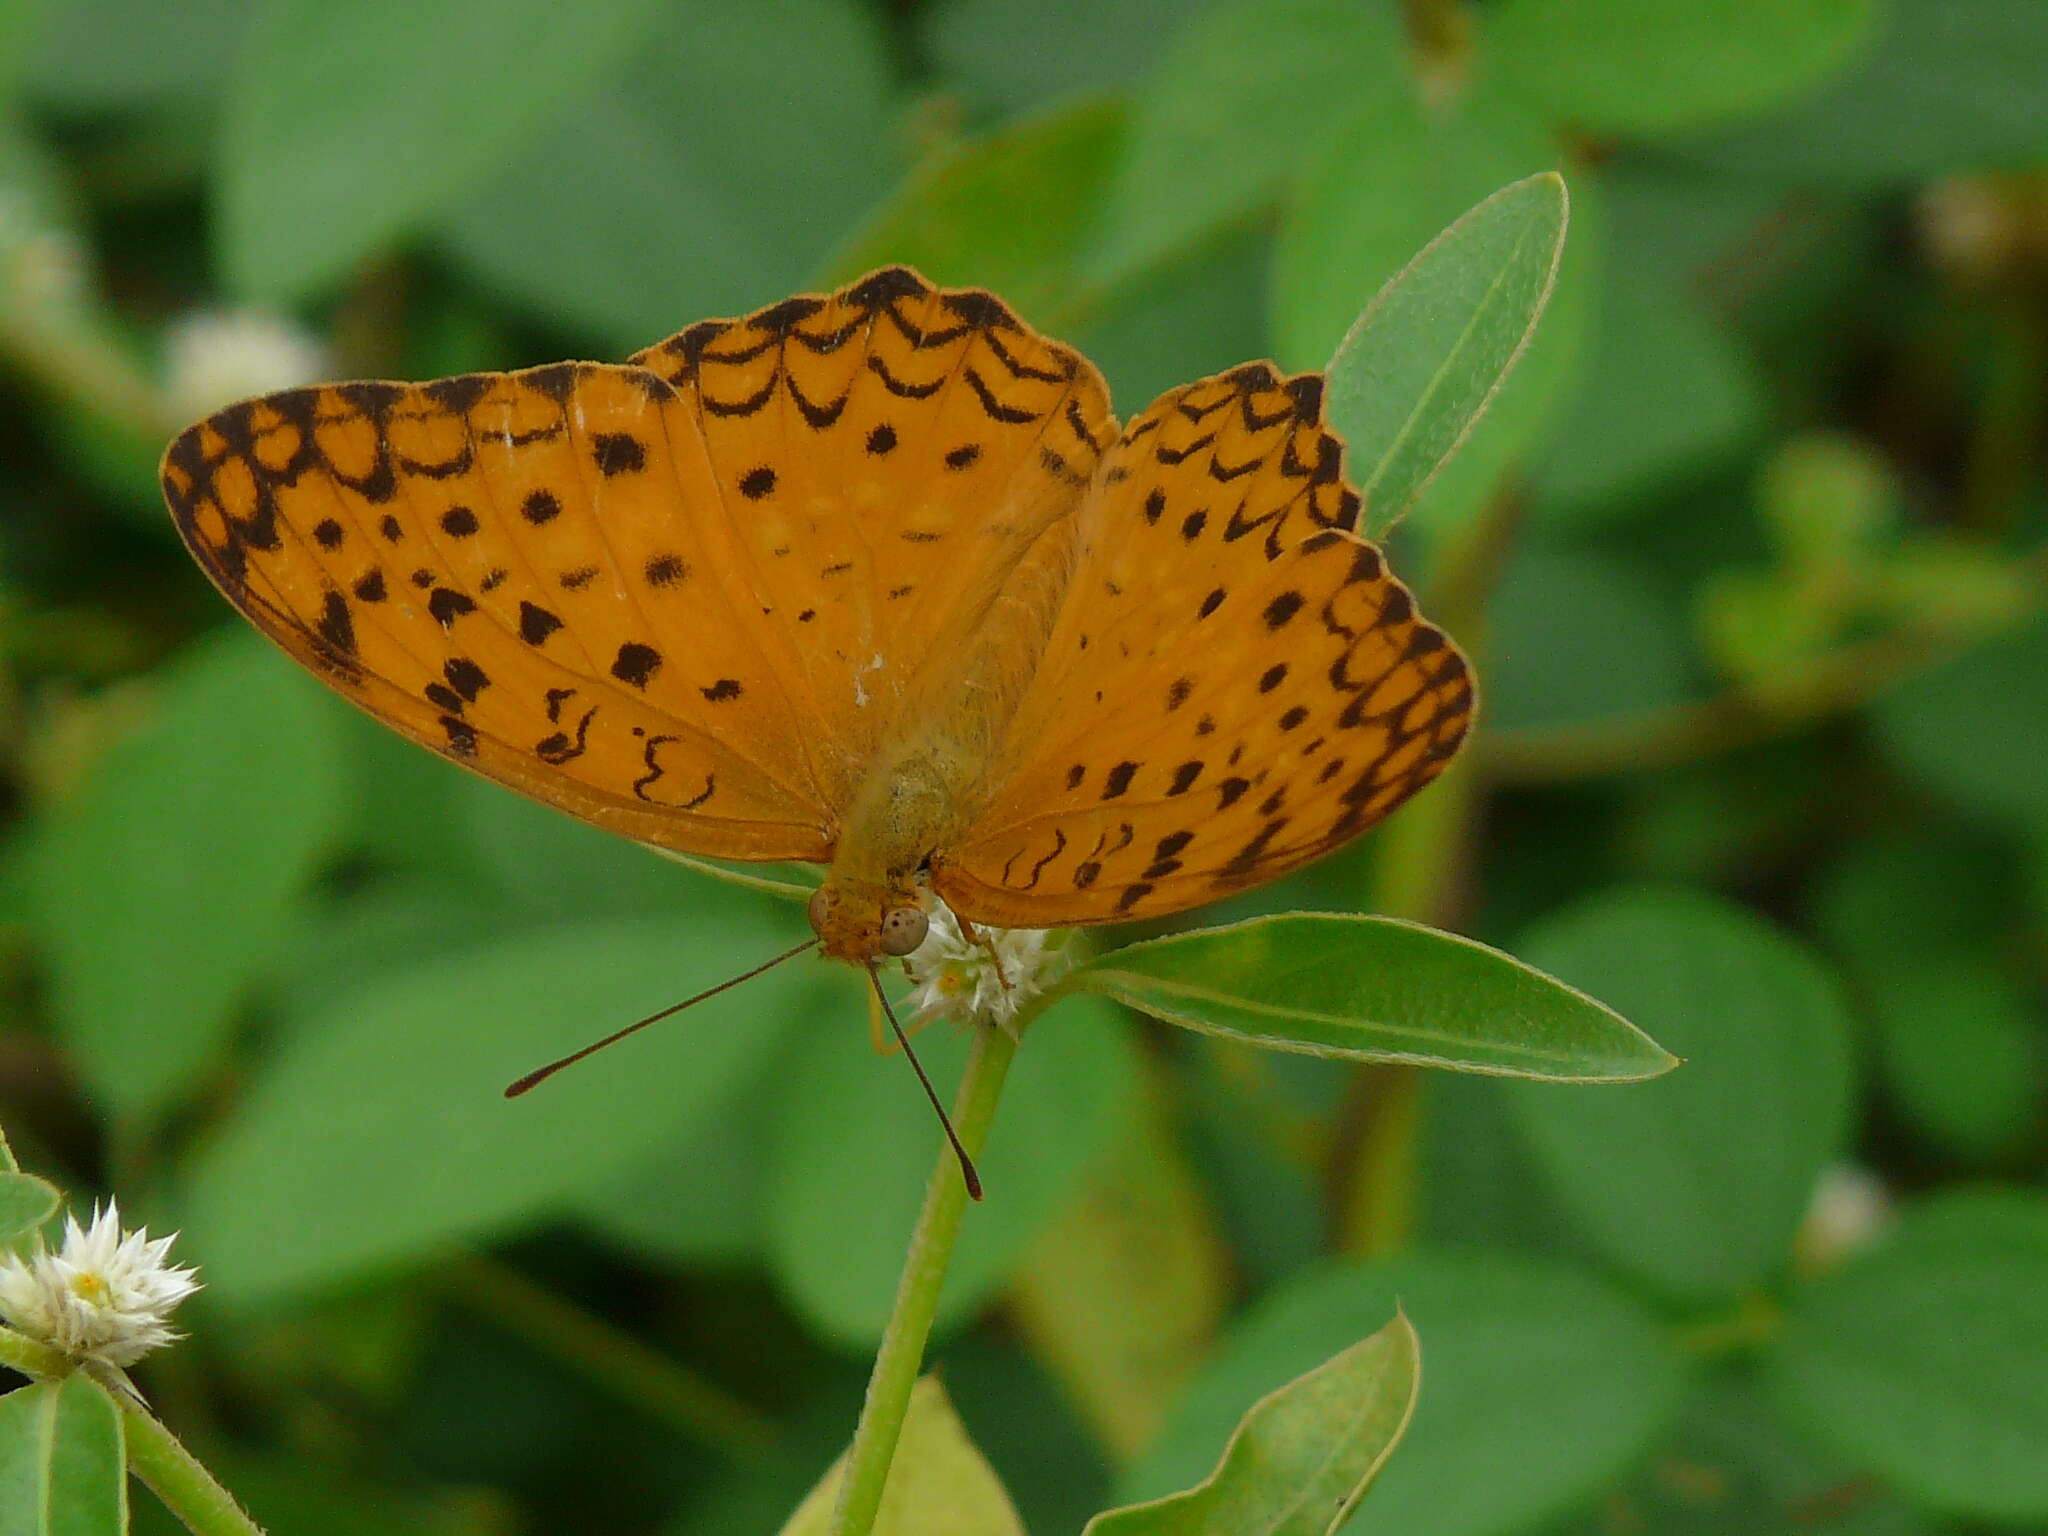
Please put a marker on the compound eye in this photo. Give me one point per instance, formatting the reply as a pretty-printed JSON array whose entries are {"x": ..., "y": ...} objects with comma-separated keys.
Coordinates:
[
  {"x": 903, "y": 929},
  {"x": 818, "y": 908}
]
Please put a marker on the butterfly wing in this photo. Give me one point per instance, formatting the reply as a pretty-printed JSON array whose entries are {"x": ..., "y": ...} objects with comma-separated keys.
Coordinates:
[
  {"x": 606, "y": 586},
  {"x": 892, "y": 450},
  {"x": 1235, "y": 685}
]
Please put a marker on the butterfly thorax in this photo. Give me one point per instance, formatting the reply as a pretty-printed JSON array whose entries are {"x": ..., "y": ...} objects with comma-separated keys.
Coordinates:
[
  {"x": 908, "y": 806},
  {"x": 932, "y": 771}
]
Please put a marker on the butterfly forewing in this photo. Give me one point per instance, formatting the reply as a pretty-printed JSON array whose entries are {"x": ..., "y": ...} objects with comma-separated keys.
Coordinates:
[
  {"x": 682, "y": 597},
  {"x": 1234, "y": 687},
  {"x": 439, "y": 553}
]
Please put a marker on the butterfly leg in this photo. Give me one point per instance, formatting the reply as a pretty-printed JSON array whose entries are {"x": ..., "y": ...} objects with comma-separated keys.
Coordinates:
[
  {"x": 879, "y": 1034},
  {"x": 974, "y": 935}
]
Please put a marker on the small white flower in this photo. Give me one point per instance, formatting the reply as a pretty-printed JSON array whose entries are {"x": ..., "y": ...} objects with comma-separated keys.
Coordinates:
[
  {"x": 103, "y": 1297},
  {"x": 42, "y": 267},
  {"x": 1851, "y": 1208},
  {"x": 990, "y": 978},
  {"x": 212, "y": 359}
]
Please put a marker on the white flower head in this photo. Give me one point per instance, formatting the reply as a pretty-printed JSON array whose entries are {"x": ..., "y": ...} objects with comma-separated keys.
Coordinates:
[
  {"x": 989, "y": 977},
  {"x": 1851, "y": 1207},
  {"x": 42, "y": 266},
  {"x": 214, "y": 358},
  {"x": 103, "y": 1297}
]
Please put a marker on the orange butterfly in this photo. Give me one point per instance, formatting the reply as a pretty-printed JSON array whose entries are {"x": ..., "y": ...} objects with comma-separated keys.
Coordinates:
[{"x": 869, "y": 578}]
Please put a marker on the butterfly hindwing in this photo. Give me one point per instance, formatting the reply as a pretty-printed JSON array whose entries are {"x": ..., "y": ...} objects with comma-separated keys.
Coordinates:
[{"x": 1235, "y": 684}]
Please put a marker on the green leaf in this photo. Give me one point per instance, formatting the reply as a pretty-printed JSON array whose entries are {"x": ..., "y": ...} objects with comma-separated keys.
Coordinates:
[
  {"x": 171, "y": 882},
  {"x": 123, "y": 55},
  {"x": 1619, "y": 66},
  {"x": 855, "y": 1142},
  {"x": 1006, "y": 212},
  {"x": 1577, "y": 635},
  {"x": 1119, "y": 1296},
  {"x": 1947, "y": 86},
  {"x": 700, "y": 1200},
  {"x": 1665, "y": 394},
  {"x": 1184, "y": 319},
  {"x": 1016, "y": 58},
  {"x": 1535, "y": 394},
  {"x": 718, "y": 171},
  {"x": 1305, "y": 1453},
  {"x": 1870, "y": 907},
  {"x": 1921, "y": 1358},
  {"x": 558, "y": 869},
  {"x": 1972, "y": 728},
  {"x": 1734, "y": 1468},
  {"x": 1377, "y": 189},
  {"x": 346, "y": 125},
  {"x": 63, "y": 1466},
  {"x": 379, "y": 1130},
  {"x": 1245, "y": 93},
  {"x": 1961, "y": 1049},
  {"x": 1959, "y": 1042},
  {"x": 939, "y": 1484},
  {"x": 1697, "y": 1183},
  {"x": 1542, "y": 1384},
  {"x": 1374, "y": 989},
  {"x": 1416, "y": 372},
  {"x": 26, "y": 1202}
]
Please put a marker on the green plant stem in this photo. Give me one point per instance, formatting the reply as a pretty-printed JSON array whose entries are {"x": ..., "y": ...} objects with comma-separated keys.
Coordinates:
[
  {"x": 175, "y": 1476},
  {"x": 1833, "y": 684},
  {"x": 917, "y": 1294},
  {"x": 1380, "y": 1217},
  {"x": 617, "y": 1362},
  {"x": 1755, "y": 1320}
]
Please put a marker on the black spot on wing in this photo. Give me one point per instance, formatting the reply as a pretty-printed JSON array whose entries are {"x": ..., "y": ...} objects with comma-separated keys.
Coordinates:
[
  {"x": 448, "y": 605},
  {"x": 636, "y": 663},
  {"x": 536, "y": 623}
]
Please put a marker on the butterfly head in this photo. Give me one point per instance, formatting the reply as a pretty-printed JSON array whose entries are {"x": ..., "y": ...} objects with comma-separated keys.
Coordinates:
[{"x": 865, "y": 923}]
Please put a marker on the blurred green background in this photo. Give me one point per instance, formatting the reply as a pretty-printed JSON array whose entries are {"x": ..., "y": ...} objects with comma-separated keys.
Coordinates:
[{"x": 1750, "y": 555}]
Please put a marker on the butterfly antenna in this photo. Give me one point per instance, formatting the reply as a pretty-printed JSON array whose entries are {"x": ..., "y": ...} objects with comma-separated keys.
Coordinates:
[
  {"x": 536, "y": 1078},
  {"x": 967, "y": 1173}
]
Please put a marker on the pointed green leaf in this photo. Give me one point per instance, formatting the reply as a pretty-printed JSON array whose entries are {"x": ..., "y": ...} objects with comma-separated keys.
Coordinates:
[
  {"x": 1243, "y": 95},
  {"x": 1416, "y": 372},
  {"x": 939, "y": 1484},
  {"x": 1303, "y": 1456},
  {"x": 26, "y": 1202},
  {"x": 63, "y": 1466},
  {"x": 1375, "y": 989},
  {"x": 1544, "y": 1382}
]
